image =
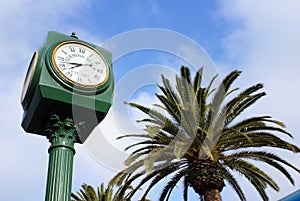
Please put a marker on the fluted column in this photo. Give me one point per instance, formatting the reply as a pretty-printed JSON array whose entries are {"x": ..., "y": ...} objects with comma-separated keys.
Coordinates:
[{"x": 62, "y": 136}]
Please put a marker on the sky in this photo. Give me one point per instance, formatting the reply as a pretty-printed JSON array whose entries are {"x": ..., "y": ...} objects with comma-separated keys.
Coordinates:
[{"x": 261, "y": 38}]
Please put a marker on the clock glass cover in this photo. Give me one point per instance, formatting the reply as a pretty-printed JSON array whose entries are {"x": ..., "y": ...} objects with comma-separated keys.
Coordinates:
[{"x": 80, "y": 64}]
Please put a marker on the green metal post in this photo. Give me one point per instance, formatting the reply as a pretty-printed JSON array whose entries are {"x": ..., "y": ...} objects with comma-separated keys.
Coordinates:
[{"x": 62, "y": 136}]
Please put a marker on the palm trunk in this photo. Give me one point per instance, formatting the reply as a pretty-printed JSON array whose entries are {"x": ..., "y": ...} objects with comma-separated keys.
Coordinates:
[{"x": 212, "y": 195}]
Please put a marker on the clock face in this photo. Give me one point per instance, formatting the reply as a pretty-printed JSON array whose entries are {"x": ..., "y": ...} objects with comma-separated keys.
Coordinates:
[
  {"x": 80, "y": 64},
  {"x": 29, "y": 76}
]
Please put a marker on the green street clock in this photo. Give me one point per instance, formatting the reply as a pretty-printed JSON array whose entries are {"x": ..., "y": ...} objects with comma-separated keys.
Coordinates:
[{"x": 70, "y": 78}]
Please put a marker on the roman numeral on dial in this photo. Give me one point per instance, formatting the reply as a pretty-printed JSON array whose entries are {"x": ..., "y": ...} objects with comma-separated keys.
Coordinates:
[{"x": 81, "y": 50}]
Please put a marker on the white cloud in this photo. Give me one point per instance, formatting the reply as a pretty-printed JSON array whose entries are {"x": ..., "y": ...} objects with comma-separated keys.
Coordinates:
[
  {"x": 24, "y": 26},
  {"x": 265, "y": 41}
]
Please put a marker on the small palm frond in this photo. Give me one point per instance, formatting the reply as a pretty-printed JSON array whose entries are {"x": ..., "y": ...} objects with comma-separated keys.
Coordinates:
[{"x": 88, "y": 193}]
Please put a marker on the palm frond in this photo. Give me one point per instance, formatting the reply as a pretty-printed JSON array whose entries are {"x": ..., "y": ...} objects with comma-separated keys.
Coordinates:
[
  {"x": 232, "y": 181},
  {"x": 185, "y": 73},
  {"x": 185, "y": 189},
  {"x": 162, "y": 173},
  {"x": 198, "y": 79},
  {"x": 165, "y": 194},
  {"x": 268, "y": 158},
  {"x": 247, "y": 168},
  {"x": 221, "y": 91},
  {"x": 241, "y": 106}
]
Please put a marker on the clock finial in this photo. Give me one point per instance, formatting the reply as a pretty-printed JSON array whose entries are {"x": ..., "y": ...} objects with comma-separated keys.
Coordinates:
[{"x": 74, "y": 35}]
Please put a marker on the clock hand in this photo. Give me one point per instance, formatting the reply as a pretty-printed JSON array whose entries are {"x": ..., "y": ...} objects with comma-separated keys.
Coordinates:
[
  {"x": 87, "y": 65},
  {"x": 70, "y": 63},
  {"x": 76, "y": 65}
]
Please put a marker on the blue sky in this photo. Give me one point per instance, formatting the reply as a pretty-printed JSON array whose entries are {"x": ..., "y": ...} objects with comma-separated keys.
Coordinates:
[{"x": 261, "y": 38}]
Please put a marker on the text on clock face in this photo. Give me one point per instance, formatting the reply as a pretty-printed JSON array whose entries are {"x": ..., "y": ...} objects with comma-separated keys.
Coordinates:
[{"x": 81, "y": 64}]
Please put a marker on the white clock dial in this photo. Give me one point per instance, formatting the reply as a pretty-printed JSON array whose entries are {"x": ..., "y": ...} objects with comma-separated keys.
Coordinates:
[{"x": 80, "y": 64}]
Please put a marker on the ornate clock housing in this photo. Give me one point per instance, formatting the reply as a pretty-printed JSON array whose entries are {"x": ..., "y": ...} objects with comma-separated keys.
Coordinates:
[
  {"x": 70, "y": 78},
  {"x": 80, "y": 65}
]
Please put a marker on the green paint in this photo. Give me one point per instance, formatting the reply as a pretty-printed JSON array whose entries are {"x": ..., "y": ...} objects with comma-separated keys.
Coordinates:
[{"x": 62, "y": 136}]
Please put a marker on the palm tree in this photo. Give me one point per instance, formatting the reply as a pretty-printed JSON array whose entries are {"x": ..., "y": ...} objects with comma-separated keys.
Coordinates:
[
  {"x": 199, "y": 140},
  {"x": 88, "y": 193}
]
